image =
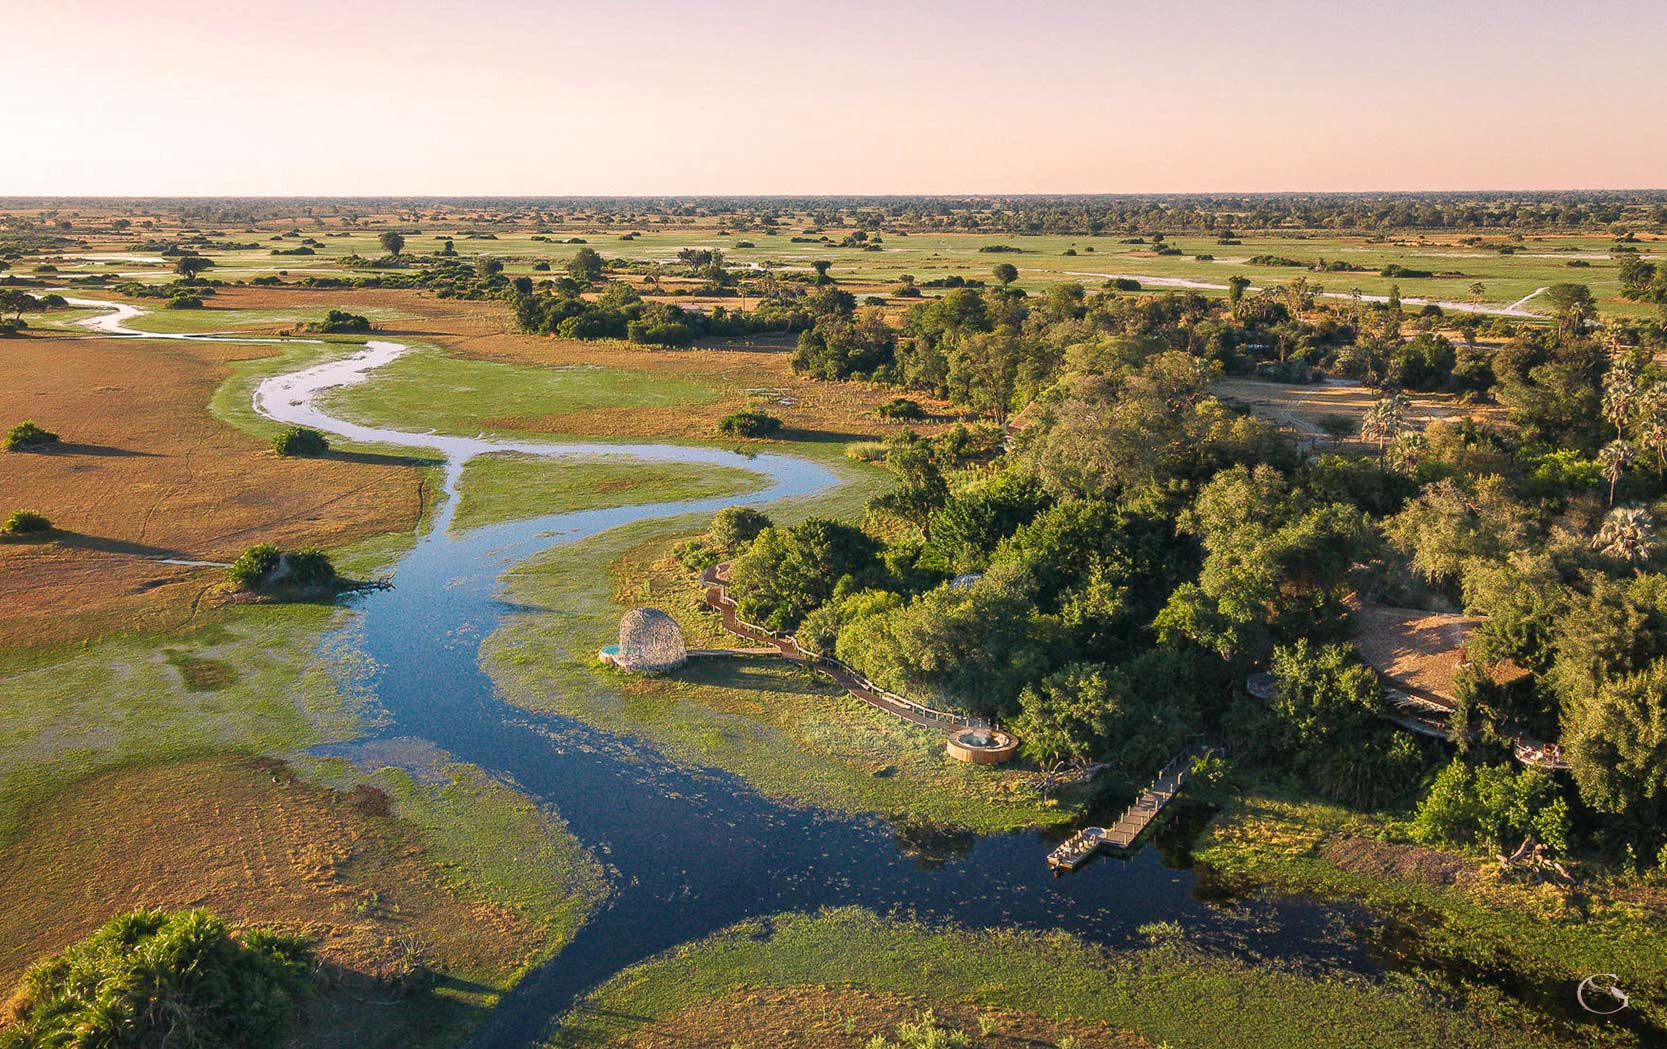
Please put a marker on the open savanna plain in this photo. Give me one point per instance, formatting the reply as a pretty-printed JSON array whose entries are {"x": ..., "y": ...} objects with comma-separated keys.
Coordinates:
[
  {"x": 1511, "y": 267},
  {"x": 160, "y": 737},
  {"x": 156, "y": 737}
]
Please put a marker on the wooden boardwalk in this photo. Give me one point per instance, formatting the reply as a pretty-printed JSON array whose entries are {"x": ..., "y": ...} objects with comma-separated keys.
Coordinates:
[
  {"x": 715, "y": 579},
  {"x": 1135, "y": 819}
]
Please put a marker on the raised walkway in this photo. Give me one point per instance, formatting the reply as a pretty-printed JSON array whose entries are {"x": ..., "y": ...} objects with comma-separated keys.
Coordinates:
[
  {"x": 716, "y": 581},
  {"x": 1082, "y": 845}
]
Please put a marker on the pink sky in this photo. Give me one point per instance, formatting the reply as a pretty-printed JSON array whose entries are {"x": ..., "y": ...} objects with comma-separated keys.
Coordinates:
[{"x": 525, "y": 97}]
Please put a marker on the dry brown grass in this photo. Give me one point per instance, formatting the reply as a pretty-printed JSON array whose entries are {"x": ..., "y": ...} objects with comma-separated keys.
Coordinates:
[
  {"x": 251, "y": 843},
  {"x": 825, "y": 1018},
  {"x": 145, "y": 473},
  {"x": 1385, "y": 859}
]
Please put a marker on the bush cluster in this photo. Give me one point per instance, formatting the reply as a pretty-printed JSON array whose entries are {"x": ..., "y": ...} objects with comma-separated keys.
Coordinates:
[
  {"x": 300, "y": 441},
  {"x": 27, "y": 435},
  {"x": 749, "y": 423},
  {"x": 25, "y": 522},
  {"x": 266, "y": 567}
]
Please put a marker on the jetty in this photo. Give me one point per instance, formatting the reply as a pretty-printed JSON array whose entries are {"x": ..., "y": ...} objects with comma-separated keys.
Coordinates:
[{"x": 1082, "y": 845}]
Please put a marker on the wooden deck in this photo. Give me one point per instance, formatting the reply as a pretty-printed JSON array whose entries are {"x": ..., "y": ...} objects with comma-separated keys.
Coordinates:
[
  {"x": 1082, "y": 845},
  {"x": 1429, "y": 718}
]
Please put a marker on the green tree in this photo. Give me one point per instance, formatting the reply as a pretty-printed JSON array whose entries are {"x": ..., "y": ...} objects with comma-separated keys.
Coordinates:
[
  {"x": 920, "y": 490},
  {"x": 1614, "y": 458},
  {"x": 300, "y": 441},
  {"x": 28, "y": 435},
  {"x": 1386, "y": 418},
  {"x": 1494, "y": 806},
  {"x": 585, "y": 266},
  {"x": 1628, "y": 533},
  {"x": 1325, "y": 723},
  {"x": 25, "y": 522},
  {"x": 392, "y": 243},
  {"x": 749, "y": 423},
  {"x": 1616, "y": 742},
  {"x": 188, "y": 266},
  {"x": 788, "y": 572},
  {"x": 1237, "y": 285},
  {"x": 1572, "y": 305},
  {"x": 1006, "y": 272},
  {"x": 735, "y": 526},
  {"x": 984, "y": 373}
]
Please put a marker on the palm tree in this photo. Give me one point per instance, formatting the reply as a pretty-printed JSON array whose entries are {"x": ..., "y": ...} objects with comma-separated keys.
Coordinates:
[
  {"x": 1614, "y": 457},
  {"x": 1477, "y": 288},
  {"x": 1620, "y": 394},
  {"x": 1627, "y": 533},
  {"x": 1405, "y": 451},
  {"x": 1384, "y": 419}
]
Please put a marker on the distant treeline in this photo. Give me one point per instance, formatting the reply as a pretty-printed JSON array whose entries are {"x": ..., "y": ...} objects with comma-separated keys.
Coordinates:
[{"x": 1060, "y": 214}]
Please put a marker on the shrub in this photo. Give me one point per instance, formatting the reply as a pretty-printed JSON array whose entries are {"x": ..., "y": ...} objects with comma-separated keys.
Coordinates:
[
  {"x": 27, "y": 435},
  {"x": 309, "y": 568},
  {"x": 735, "y": 526},
  {"x": 265, "y": 567},
  {"x": 250, "y": 570},
  {"x": 12, "y": 325},
  {"x": 340, "y": 322},
  {"x": 902, "y": 409},
  {"x": 1493, "y": 806},
  {"x": 180, "y": 979},
  {"x": 183, "y": 301},
  {"x": 749, "y": 423},
  {"x": 299, "y": 440},
  {"x": 25, "y": 522}
]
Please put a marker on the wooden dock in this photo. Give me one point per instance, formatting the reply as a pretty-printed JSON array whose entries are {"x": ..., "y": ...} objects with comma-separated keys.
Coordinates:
[{"x": 1082, "y": 845}]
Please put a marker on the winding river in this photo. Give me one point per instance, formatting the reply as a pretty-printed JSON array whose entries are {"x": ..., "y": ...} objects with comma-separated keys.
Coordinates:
[{"x": 692, "y": 850}]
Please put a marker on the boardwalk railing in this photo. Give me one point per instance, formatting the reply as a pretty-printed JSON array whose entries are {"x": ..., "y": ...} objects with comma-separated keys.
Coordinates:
[
  {"x": 854, "y": 680},
  {"x": 1135, "y": 819},
  {"x": 1429, "y": 718}
]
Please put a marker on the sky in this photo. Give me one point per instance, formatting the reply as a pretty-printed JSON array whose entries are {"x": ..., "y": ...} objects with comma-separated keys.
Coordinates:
[{"x": 546, "y": 97}]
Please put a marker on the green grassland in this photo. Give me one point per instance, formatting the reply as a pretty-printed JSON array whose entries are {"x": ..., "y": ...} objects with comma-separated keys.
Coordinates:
[
  {"x": 513, "y": 487},
  {"x": 1467, "y": 917},
  {"x": 1168, "y": 993},
  {"x": 1042, "y": 260},
  {"x": 456, "y": 395},
  {"x": 125, "y": 700}
]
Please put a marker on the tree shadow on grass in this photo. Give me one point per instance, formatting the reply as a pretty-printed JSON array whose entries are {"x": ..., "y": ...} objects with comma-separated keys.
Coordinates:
[
  {"x": 101, "y": 450},
  {"x": 752, "y": 674},
  {"x": 382, "y": 459},
  {"x": 106, "y": 545},
  {"x": 412, "y": 333},
  {"x": 807, "y": 436}
]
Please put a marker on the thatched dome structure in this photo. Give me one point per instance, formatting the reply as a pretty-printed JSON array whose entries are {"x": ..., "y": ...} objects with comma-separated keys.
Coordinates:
[{"x": 649, "y": 640}]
